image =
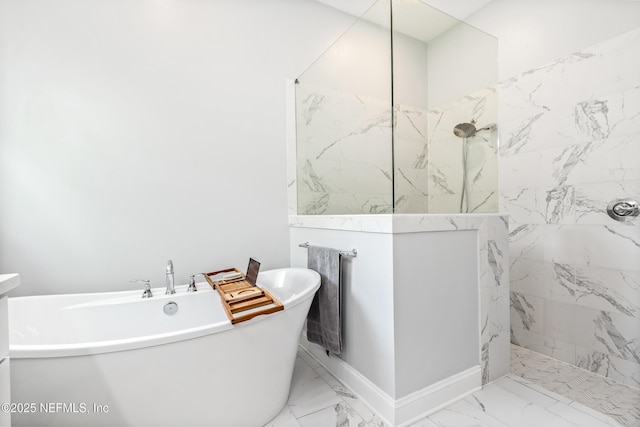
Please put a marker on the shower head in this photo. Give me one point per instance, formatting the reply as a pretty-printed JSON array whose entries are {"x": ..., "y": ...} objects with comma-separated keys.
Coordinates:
[
  {"x": 467, "y": 130},
  {"x": 464, "y": 130}
]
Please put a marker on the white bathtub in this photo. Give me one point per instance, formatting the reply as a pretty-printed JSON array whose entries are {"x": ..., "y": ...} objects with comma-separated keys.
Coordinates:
[{"x": 115, "y": 359}]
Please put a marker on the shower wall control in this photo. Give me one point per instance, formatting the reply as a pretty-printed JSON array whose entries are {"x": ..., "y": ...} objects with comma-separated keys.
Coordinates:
[{"x": 623, "y": 209}]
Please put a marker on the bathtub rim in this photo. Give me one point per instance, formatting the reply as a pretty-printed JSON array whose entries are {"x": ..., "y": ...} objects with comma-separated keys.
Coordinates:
[{"x": 37, "y": 351}]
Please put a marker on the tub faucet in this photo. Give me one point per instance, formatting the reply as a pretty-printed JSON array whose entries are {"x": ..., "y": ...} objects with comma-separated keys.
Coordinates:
[
  {"x": 170, "y": 288},
  {"x": 192, "y": 283},
  {"x": 147, "y": 288}
]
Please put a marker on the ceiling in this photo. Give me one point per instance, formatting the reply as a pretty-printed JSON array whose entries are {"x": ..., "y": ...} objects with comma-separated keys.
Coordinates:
[
  {"x": 414, "y": 18},
  {"x": 459, "y": 9}
]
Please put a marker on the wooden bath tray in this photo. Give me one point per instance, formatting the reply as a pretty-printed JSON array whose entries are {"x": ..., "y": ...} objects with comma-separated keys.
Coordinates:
[{"x": 240, "y": 299}]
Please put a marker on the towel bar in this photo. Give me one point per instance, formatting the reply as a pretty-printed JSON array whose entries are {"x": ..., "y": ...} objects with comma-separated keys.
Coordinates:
[{"x": 351, "y": 254}]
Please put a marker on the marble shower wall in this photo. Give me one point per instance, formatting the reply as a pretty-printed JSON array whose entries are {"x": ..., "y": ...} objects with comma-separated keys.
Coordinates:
[
  {"x": 445, "y": 155},
  {"x": 344, "y": 154},
  {"x": 343, "y": 146},
  {"x": 411, "y": 159},
  {"x": 570, "y": 144}
]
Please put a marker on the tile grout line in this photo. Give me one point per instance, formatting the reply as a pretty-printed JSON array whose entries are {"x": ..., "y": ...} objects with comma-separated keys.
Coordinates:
[{"x": 571, "y": 372}]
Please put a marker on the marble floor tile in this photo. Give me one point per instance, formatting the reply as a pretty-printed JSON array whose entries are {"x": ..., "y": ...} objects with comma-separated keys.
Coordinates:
[
  {"x": 464, "y": 414},
  {"x": 338, "y": 415},
  {"x": 514, "y": 410},
  {"x": 601, "y": 394},
  {"x": 309, "y": 393},
  {"x": 284, "y": 419},
  {"x": 520, "y": 399}
]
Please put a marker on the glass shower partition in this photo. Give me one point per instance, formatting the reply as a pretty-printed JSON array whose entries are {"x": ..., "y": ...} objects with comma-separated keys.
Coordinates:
[
  {"x": 444, "y": 75},
  {"x": 375, "y": 117},
  {"x": 343, "y": 122}
]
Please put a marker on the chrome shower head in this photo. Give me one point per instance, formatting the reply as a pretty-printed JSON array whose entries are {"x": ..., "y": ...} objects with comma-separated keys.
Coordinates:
[
  {"x": 464, "y": 130},
  {"x": 467, "y": 130}
]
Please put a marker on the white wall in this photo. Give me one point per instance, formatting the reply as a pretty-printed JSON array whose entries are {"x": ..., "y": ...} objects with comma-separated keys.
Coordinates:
[
  {"x": 367, "y": 298},
  {"x": 535, "y": 32},
  {"x": 435, "y": 300},
  {"x": 358, "y": 62},
  {"x": 137, "y": 131},
  {"x": 461, "y": 61}
]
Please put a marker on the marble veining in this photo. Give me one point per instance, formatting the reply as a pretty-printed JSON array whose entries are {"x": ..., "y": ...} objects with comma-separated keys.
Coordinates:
[
  {"x": 571, "y": 132},
  {"x": 524, "y": 309},
  {"x": 344, "y": 149},
  {"x": 614, "y": 340},
  {"x": 586, "y": 287},
  {"x": 521, "y": 399},
  {"x": 609, "y": 397}
]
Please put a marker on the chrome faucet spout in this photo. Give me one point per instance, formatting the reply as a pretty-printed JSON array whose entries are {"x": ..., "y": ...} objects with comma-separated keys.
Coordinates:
[{"x": 170, "y": 283}]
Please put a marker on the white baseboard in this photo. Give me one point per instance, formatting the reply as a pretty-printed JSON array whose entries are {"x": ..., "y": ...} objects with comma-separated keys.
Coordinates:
[{"x": 407, "y": 409}]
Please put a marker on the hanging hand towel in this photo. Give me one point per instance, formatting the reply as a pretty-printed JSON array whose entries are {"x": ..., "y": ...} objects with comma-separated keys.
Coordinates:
[{"x": 324, "y": 325}]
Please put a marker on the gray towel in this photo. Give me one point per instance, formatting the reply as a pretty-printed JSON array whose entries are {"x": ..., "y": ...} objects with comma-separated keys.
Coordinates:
[{"x": 323, "y": 321}]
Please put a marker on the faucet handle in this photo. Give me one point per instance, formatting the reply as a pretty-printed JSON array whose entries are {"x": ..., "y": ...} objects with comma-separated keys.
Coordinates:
[
  {"x": 192, "y": 282},
  {"x": 147, "y": 288}
]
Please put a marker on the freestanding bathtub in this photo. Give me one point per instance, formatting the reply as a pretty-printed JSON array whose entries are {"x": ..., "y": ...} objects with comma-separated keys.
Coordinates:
[{"x": 115, "y": 359}]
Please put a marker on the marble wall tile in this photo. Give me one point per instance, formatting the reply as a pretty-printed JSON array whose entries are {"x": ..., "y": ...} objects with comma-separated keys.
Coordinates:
[
  {"x": 479, "y": 202},
  {"x": 327, "y": 144},
  {"x": 597, "y": 288},
  {"x": 446, "y": 155},
  {"x": 494, "y": 296},
  {"x": 525, "y": 127},
  {"x": 549, "y": 346},
  {"x": 612, "y": 58},
  {"x": 526, "y": 241},
  {"x": 591, "y": 201},
  {"x": 601, "y": 331},
  {"x": 533, "y": 117},
  {"x": 530, "y": 277},
  {"x": 609, "y": 366},
  {"x": 617, "y": 335},
  {"x": 541, "y": 108},
  {"x": 411, "y": 123},
  {"x": 351, "y": 177},
  {"x": 527, "y": 312},
  {"x": 410, "y": 153},
  {"x": 563, "y": 244},
  {"x": 408, "y": 203},
  {"x": 343, "y": 152},
  {"x": 611, "y": 159},
  {"x": 615, "y": 246},
  {"x": 324, "y": 107},
  {"x": 570, "y": 323},
  {"x": 445, "y": 168},
  {"x": 523, "y": 204},
  {"x": 548, "y": 167},
  {"x": 411, "y": 182},
  {"x": 610, "y": 115},
  {"x": 544, "y": 205},
  {"x": 482, "y": 163},
  {"x": 608, "y": 290},
  {"x": 496, "y": 226},
  {"x": 314, "y": 203},
  {"x": 344, "y": 140},
  {"x": 446, "y": 203},
  {"x": 483, "y": 202}
]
